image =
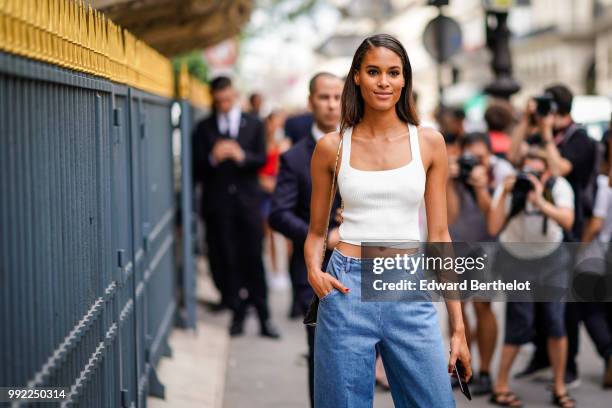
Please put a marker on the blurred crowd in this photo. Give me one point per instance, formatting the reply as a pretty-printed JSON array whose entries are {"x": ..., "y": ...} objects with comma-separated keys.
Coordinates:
[{"x": 534, "y": 176}]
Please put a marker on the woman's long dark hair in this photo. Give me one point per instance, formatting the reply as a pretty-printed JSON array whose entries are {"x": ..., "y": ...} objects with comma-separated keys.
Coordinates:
[{"x": 352, "y": 100}]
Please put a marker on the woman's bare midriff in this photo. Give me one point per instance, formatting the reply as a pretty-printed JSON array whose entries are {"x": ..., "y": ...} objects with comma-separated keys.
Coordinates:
[{"x": 354, "y": 251}]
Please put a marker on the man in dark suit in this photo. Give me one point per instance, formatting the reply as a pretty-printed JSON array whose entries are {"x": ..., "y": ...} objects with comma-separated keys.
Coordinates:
[
  {"x": 229, "y": 147},
  {"x": 297, "y": 127},
  {"x": 290, "y": 209}
]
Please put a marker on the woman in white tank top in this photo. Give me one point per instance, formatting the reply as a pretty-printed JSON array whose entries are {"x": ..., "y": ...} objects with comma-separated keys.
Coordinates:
[{"x": 387, "y": 167}]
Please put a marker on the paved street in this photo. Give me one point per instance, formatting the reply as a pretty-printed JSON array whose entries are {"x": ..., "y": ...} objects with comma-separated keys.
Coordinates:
[
  {"x": 272, "y": 374},
  {"x": 195, "y": 374}
]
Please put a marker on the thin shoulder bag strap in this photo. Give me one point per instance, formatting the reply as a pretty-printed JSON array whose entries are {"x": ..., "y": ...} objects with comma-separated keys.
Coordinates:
[{"x": 332, "y": 195}]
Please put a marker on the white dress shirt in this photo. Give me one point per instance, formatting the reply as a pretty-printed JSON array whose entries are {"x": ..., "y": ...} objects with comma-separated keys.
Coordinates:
[
  {"x": 229, "y": 123},
  {"x": 318, "y": 133}
]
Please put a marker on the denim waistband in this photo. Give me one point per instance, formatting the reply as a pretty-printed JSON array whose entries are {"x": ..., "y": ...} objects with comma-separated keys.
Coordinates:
[{"x": 353, "y": 260}]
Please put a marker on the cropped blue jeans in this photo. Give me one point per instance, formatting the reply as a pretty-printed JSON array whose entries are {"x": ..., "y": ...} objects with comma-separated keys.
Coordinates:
[{"x": 408, "y": 337}]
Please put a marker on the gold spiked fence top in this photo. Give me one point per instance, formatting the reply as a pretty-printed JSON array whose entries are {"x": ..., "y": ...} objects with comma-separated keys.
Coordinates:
[
  {"x": 192, "y": 89},
  {"x": 72, "y": 35}
]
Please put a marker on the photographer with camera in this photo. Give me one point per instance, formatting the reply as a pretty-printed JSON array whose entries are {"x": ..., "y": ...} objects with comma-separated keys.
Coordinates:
[
  {"x": 534, "y": 207},
  {"x": 474, "y": 175},
  {"x": 572, "y": 154}
]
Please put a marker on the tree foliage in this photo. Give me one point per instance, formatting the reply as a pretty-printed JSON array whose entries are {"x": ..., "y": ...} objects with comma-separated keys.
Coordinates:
[{"x": 196, "y": 66}]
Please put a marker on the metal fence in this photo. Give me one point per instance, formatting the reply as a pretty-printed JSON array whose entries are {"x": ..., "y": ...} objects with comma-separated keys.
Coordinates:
[
  {"x": 189, "y": 115},
  {"x": 87, "y": 210}
]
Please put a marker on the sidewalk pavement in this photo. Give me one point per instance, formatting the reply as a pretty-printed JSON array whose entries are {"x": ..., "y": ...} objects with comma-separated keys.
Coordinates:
[{"x": 194, "y": 377}]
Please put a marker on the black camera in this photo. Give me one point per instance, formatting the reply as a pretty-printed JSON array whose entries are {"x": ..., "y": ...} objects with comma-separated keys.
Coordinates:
[
  {"x": 545, "y": 105},
  {"x": 467, "y": 162},
  {"x": 523, "y": 185},
  {"x": 535, "y": 139},
  {"x": 520, "y": 191}
]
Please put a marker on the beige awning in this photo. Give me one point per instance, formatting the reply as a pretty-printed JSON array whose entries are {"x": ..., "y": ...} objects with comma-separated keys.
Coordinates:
[{"x": 177, "y": 26}]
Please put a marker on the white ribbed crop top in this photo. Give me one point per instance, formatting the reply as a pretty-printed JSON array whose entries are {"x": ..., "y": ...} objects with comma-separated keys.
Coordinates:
[{"x": 381, "y": 205}]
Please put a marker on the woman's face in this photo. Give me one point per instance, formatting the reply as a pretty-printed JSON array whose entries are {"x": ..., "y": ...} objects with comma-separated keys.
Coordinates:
[{"x": 380, "y": 78}]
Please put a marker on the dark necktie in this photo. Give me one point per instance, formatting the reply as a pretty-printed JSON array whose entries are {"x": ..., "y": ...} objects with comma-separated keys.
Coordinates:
[{"x": 225, "y": 119}]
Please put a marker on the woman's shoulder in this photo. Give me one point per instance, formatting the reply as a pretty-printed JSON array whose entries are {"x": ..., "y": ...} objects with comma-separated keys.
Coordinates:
[
  {"x": 431, "y": 138},
  {"x": 430, "y": 135},
  {"x": 328, "y": 144}
]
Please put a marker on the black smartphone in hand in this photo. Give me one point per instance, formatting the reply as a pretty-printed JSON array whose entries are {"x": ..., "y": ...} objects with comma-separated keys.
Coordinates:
[{"x": 460, "y": 373}]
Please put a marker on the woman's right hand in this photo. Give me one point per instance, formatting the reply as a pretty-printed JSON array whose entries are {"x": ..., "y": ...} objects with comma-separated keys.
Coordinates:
[{"x": 323, "y": 283}]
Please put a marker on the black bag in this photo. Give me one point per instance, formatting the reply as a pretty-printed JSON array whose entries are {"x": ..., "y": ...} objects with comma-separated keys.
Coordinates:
[{"x": 310, "y": 319}]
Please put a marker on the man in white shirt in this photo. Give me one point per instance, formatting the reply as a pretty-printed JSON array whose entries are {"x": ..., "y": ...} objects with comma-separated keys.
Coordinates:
[{"x": 229, "y": 147}]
